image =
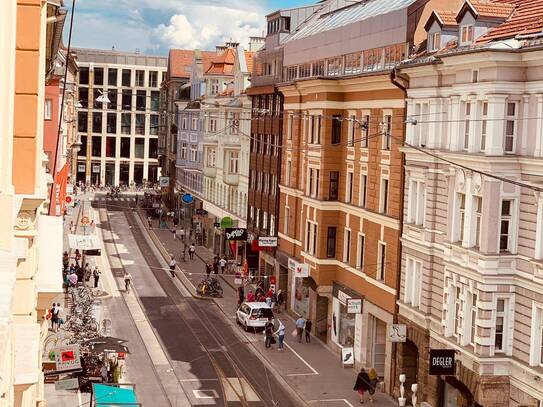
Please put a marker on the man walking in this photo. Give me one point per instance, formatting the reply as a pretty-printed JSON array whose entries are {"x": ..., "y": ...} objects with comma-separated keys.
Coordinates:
[
  {"x": 96, "y": 274},
  {"x": 308, "y": 325},
  {"x": 222, "y": 264},
  {"x": 300, "y": 323},
  {"x": 192, "y": 249},
  {"x": 173, "y": 263},
  {"x": 127, "y": 282},
  {"x": 268, "y": 331}
]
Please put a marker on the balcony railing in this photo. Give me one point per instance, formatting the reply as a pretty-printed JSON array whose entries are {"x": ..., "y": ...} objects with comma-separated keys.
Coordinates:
[
  {"x": 210, "y": 172},
  {"x": 231, "y": 179}
]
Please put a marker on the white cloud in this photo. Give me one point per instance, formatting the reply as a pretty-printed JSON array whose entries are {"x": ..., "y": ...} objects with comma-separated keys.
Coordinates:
[{"x": 204, "y": 26}]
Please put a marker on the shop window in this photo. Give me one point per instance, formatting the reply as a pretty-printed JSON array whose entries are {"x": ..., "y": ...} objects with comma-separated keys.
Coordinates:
[
  {"x": 139, "y": 146},
  {"x": 112, "y": 77},
  {"x": 346, "y": 327},
  {"x": 331, "y": 242},
  {"x": 125, "y": 147}
]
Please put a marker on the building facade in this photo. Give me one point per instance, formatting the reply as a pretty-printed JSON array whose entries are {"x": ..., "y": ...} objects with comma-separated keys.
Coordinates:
[
  {"x": 118, "y": 122},
  {"x": 342, "y": 178},
  {"x": 30, "y": 240},
  {"x": 174, "y": 96},
  {"x": 472, "y": 241}
]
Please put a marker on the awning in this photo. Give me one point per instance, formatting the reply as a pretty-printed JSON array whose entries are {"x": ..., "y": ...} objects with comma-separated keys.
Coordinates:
[
  {"x": 110, "y": 396},
  {"x": 83, "y": 242}
]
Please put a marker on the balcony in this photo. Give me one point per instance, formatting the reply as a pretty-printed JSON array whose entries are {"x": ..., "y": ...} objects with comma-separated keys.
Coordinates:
[
  {"x": 231, "y": 179},
  {"x": 210, "y": 172}
]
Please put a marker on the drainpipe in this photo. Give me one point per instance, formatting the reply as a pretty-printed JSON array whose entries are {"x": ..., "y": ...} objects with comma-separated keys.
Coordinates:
[{"x": 401, "y": 84}]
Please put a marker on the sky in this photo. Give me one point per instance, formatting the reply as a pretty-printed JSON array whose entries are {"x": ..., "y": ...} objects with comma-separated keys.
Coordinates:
[{"x": 154, "y": 26}]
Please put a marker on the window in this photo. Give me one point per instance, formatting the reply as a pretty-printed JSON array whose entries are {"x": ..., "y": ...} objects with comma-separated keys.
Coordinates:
[
  {"x": 500, "y": 333},
  {"x": 289, "y": 126},
  {"x": 331, "y": 242},
  {"x": 461, "y": 205},
  {"x": 336, "y": 129},
  {"x": 97, "y": 122},
  {"x": 48, "y": 112},
  {"x": 387, "y": 127},
  {"x": 184, "y": 122},
  {"x": 140, "y": 78},
  {"x": 287, "y": 217},
  {"x": 478, "y": 205},
  {"x": 272, "y": 225},
  {"x": 352, "y": 126},
  {"x": 457, "y": 309},
  {"x": 194, "y": 123},
  {"x": 111, "y": 125},
  {"x": 155, "y": 100},
  {"x": 383, "y": 201},
  {"x": 153, "y": 125},
  {"x": 365, "y": 125},
  {"x": 416, "y": 202},
  {"x": 141, "y": 97},
  {"x": 211, "y": 157},
  {"x": 467, "y": 124},
  {"x": 347, "y": 246},
  {"x": 233, "y": 162},
  {"x": 125, "y": 123},
  {"x": 311, "y": 238},
  {"x": 111, "y": 144},
  {"x": 84, "y": 75},
  {"x": 112, "y": 77},
  {"x": 360, "y": 258},
  {"x": 83, "y": 149},
  {"x": 99, "y": 76},
  {"x": 505, "y": 225},
  {"x": 125, "y": 147},
  {"x": 82, "y": 121},
  {"x": 349, "y": 188},
  {"x": 313, "y": 182},
  {"x": 214, "y": 86},
  {"x": 140, "y": 124},
  {"x": 434, "y": 41},
  {"x": 112, "y": 96},
  {"x": 536, "y": 346},
  {"x": 212, "y": 125},
  {"x": 362, "y": 192},
  {"x": 153, "y": 79},
  {"x": 381, "y": 266},
  {"x": 475, "y": 76},
  {"x": 510, "y": 127},
  {"x": 183, "y": 151},
  {"x": 126, "y": 77},
  {"x": 153, "y": 147},
  {"x": 413, "y": 282},
  {"x": 473, "y": 319},
  {"x": 84, "y": 97},
  {"x": 126, "y": 99},
  {"x": 333, "y": 189},
  {"x": 288, "y": 172},
  {"x": 96, "y": 93},
  {"x": 96, "y": 146},
  {"x": 193, "y": 153},
  {"x": 466, "y": 34},
  {"x": 315, "y": 129},
  {"x": 483, "y": 125},
  {"x": 139, "y": 145}
]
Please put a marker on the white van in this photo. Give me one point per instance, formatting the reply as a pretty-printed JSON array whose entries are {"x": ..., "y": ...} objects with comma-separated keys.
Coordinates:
[{"x": 253, "y": 314}]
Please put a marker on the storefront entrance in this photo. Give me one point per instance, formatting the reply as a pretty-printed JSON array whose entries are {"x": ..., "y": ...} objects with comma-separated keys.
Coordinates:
[
  {"x": 410, "y": 364},
  {"x": 321, "y": 318},
  {"x": 456, "y": 394},
  {"x": 378, "y": 331}
]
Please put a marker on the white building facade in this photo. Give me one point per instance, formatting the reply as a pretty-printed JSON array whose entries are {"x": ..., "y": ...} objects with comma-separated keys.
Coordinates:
[{"x": 472, "y": 243}]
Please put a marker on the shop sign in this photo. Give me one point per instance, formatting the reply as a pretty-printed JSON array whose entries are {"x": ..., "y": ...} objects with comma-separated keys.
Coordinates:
[
  {"x": 397, "y": 333},
  {"x": 301, "y": 270},
  {"x": 236, "y": 234},
  {"x": 292, "y": 264},
  {"x": 267, "y": 241},
  {"x": 80, "y": 167},
  {"x": 354, "y": 305},
  {"x": 96, "y": 168},
  {"x": 187, "y": 198},
  {"x": 342, "y": 297},
  {"x": 67, "y": 358},
  {"x": 347, "y": 356},
  {"x": 164, "y": 182},
  {"x": 227, "y": 222},
  {"x": 442, "y": 362},
  {"x": 67, "y": 384}
]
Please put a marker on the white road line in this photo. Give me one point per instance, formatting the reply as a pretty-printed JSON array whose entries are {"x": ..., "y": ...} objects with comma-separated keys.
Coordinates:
[
  {"x": 331, "y": 401},
  {"x": 198, "y": 380},
  {"x": 303, "y": 360}
]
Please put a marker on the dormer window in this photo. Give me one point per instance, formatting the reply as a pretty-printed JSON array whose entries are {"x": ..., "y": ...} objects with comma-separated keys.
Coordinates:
[
  {"x": 466, "y": 34},
  {"x": 434, "y": 41}
]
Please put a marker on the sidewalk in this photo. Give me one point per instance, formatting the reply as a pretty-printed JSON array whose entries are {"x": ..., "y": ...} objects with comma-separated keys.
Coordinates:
[{"x": 311, "y": 369}]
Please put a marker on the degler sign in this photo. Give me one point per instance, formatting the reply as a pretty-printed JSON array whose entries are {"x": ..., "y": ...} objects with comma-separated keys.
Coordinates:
[{"x": 442, "y": 362}]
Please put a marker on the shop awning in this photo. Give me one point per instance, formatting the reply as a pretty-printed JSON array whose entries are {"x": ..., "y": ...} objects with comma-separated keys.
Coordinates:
[
  {"x": 84, "y": 242},
  {"x": 110, "y": 396}
]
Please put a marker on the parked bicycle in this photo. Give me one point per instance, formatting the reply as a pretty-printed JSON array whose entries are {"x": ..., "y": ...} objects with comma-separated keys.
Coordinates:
[{"x": 210, "y": 287}]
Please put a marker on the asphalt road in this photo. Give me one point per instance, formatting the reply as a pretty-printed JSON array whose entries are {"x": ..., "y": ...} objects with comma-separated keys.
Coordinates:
[{"x": 212, "y": 362}]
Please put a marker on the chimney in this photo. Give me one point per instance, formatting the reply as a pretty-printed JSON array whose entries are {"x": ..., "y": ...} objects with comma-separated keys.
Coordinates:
[
  {"x": 255, "y": 43},
  {"x": 219, "y": 49}
]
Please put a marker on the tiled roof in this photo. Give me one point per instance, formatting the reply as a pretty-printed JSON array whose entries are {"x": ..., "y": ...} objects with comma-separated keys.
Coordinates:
[
  {"x": 526, "y": 19},
  {"x": 493, "y": 9},
  {"x": 444, "y": 17},
  {"x": 223, "y": 63},
  {"x": 207, "y": 58},
  {"x": 180, "y": 63}
]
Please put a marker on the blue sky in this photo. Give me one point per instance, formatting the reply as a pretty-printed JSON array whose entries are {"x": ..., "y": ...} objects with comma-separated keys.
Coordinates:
[{"x": 154, "y": 26}]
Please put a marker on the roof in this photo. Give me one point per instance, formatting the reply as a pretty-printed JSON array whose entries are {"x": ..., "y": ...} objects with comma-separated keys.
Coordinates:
[
  {"x": 207, "y": 58},
  {"x": 443, "y": 17},
  {"x": 180, "y": 63},
  {"x": 223, "y": 64},
  {"x": 526, "y": 20},
  {"x": 363, "y": 10},
  {"x": 494, "y": 9}
]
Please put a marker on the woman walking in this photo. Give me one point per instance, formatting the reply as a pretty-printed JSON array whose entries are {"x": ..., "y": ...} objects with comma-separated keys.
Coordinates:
[
  {"x": 281, "y": 336},
  {"x": 362, "y": 385},
  {"x": 374, "y": 381}
]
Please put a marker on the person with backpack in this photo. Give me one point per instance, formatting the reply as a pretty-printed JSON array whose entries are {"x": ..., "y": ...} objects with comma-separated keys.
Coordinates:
[
  {"x": 268, "y": 331},
  {"x": 96, "y": 274},
  {"x": 173, "y": 263}
]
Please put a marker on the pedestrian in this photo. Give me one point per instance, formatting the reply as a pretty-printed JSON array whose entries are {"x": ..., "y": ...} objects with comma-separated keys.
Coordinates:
[
  {"x": 281, "y": 336},
  {"x": 209, "y": 267},
  {"x": 269, "y": 302},
  {"x": 65, "y": 260},
  {"x": 72, "y": 227},
  {"x": 60, "y": 315},
  {"x": 192, "y": 249},
  {"x": 73, "y": 279},
  {"x": 173, "y": 263},
  {"x": 241, "y": 295},
  {"x": 268, "y": 331},
  {"x": 362, "y": 384},
  {"x": 96, "y": 274},
  {"x": 308, "y": 325},
  {"x": 300, "y": 323},
  {"x": 251, "y": 296},
  {"x": 54, "y": 317},
  {"x": 181, "y": 233},
  {"x": 77, "y": 257},
  {"x": 103, "y": 373},
  {"x": 374, "y": 381},
  {"x": 216, "y": 266},
  {"x": 127, "y": 281},
  {"x": 280, "y": 300},
  {"x": 71, "y": 269},
  {"x": 86, "y": 273},
  {"x": 222, "y": 264},
  {"x": 150, "y": 222}
]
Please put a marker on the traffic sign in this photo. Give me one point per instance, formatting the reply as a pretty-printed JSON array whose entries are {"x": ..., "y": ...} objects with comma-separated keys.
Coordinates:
[
  {"x": 69, "y": 199},
  {"x": 187, "y": 198}
]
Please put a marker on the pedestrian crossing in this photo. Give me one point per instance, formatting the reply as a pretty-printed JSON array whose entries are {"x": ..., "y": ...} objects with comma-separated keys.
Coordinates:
[{"x": 105, "y": 198}]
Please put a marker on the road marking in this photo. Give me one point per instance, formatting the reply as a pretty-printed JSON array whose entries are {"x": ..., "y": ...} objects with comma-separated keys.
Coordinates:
[
  {"x": 303, "y": 360},
  {"x": 198, "y": 380},
  {"x": 206, "y": 394},
  {"x": 331, "y": 401}
]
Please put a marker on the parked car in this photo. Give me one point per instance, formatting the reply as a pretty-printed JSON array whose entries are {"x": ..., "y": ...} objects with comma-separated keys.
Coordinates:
[{"x": 253, "y": 314}]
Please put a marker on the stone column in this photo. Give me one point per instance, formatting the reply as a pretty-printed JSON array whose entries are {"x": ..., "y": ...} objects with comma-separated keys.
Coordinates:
[
  {"x": 539, "y": 127},
  {"x": 525, "y": 123}
]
